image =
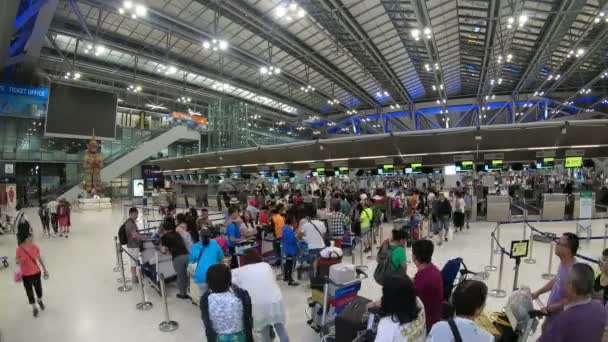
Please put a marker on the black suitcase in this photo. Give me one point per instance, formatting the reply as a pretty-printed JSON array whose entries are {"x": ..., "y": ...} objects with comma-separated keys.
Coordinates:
[{"x": 351, "y": 321}]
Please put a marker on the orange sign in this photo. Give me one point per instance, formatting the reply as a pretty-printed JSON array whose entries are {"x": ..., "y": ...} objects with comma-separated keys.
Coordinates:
[{"x": 201, "y": 120}]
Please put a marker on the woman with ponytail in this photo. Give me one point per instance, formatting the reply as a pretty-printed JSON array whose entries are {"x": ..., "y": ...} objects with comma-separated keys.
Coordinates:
[{"x": 203, "y": 255}]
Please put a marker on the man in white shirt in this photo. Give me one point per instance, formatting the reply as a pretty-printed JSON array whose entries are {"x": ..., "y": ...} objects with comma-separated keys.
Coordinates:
[
  {"x": 311, "y": 236},
  {"x": 52, "y": 207}
]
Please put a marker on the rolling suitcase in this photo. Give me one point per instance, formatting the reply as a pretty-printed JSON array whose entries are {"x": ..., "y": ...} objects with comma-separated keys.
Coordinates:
[{"x": 351, "y": 320}]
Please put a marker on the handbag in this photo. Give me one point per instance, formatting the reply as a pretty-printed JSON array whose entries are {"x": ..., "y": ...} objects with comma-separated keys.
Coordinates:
[
  {"x": 326, "y": 240},
  {"x": 194, "y": 266}
]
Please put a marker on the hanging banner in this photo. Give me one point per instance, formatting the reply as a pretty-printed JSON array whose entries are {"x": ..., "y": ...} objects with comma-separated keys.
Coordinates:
[
  {"x": 585, "y": 209},
  {"x": 11, "y": 195},
  {"x": 23, "y": 101}
]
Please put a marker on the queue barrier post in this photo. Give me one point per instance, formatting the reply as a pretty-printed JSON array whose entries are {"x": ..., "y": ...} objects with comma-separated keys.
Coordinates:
[
  {"x": 117, "y": 251},
  {"x": 498, "y": 292},
  {"x": 525, "y": 226},
  {"x": 491, "y": 266},
  {"x": 167, "y": 325},
  {"x": 605, "y": 235},
  {"x": 371, "y": 243},
  {"x": 124, "y": 287},
  {"x": 497, "y": 249},
  {"x": 549, "y": 275},
  {"x": 530, "y": 260},
  {"x": 144, "y": 305}
]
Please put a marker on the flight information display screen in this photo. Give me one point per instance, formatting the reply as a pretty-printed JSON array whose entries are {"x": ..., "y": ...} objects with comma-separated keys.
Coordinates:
[{"x": 574, "y": 162}]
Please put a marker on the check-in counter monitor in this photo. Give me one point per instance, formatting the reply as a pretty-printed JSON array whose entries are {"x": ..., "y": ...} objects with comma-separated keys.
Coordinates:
[
  {"x": 499, "y": 208},
  {"x": 554, "y": 206}
]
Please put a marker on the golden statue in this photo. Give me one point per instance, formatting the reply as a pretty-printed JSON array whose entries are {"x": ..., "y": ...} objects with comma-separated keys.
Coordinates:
[{"x": 93, "y": 162}]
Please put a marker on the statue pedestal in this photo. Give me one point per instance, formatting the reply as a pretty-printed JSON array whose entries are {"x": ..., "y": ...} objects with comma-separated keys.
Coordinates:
[{"x": 94, "y": 203}]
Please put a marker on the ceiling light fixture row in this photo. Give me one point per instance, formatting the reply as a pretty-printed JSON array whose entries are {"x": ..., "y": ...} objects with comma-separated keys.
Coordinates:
[
  {"x": 584, "y": 91},
  {"x": 72, "y": 76},
  {"x": 537, "y": 93},
  {"x": 133, "y": 9},
  {"x": 215, "y": 45},
  {"x": 167, "y": 70},
  {"x": 552, "y": 77},
  {"x": 578, "y": 53},
  {"x": 382, "y": 94},
  {"x": 271, "y": 70},
  {"x": 352, "y": 112},
  {"x": 444, "y": 101},
  {"x": 395, "y": 106},
  {"x": 493, "y": 81},
  {"x": 604, "y": 75},
  {"x": 440, "y": 87},
  {"x": 256, "y": 117},
  {"x": 184, "y": 99},
  {"x": 308, "y": 88},
  {"x": 97, "y": 49},
  {"x": 428, "y": 68},
  {"x": 134, "y": 88},
  {"x": 521, "y": 21},
  {"x": 426, "y": 32},
  {"x": 289, "y": 12},
  {"x": 333, "y": 102},
  {"x": 601, "y": 16},
  {"x": 508, "y": 58}
]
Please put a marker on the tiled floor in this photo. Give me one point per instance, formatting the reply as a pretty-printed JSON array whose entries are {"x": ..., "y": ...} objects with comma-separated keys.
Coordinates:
[{"x": 84, "y": 304}]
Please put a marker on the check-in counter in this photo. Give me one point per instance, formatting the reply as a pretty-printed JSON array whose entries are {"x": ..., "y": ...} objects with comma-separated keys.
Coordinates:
[
  {"x": 554, "y": 206},
  {"x": 499, "y": 208}
]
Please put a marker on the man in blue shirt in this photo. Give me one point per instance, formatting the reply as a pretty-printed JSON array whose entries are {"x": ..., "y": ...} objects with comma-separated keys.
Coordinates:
[
  {"x": 290, "y": 251},
  {"x": 233, "y": 233}
]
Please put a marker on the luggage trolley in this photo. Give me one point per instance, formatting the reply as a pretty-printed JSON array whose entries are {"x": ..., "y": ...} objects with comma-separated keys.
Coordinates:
[{"x": 335, "y": 298}]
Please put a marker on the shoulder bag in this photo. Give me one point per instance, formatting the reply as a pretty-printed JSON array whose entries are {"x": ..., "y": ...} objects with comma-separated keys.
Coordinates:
[
  {"x": 18, "y": 275},
  {"x": 326, "y": 240},
  {"x": 194, "y": 266},
  {"x": 455, "y": 332}
]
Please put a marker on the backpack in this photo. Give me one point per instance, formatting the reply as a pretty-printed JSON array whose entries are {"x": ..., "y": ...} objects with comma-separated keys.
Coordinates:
[
  {"x": 122, "y": 234},
  {"x": 383, "y": 270}
]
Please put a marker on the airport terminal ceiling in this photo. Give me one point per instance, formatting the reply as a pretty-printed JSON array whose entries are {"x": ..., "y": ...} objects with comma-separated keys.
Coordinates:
[{"x": 326, "y": 68}]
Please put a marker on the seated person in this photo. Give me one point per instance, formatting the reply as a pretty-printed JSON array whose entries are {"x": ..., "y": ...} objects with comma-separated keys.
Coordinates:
[
  {"x": 403, "y": 319},
  {"x": 468, "y": 300},
  {"x": 582, "y": 318}
]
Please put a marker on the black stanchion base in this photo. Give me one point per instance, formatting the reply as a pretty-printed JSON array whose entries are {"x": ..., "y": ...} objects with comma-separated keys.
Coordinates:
[{"x": 168, "y": 326}]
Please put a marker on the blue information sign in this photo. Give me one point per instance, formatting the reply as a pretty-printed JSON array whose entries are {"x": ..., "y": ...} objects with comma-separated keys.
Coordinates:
[{"x": 23, "y": 101}]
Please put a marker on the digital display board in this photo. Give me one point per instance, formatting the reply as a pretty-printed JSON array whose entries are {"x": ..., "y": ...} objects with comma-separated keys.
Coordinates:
[
  {"x": 320, "y": 171},
  {"x": 236, "y": 174},
  {"x": 494, "y": 165},
  {"x": 545, "y": 163},
  {"x": 343, "y": 170},
  {"x": 265, "y": 173},
  {"x": 138, "y": 188},
  {"x": 388, "y": 169},
  {"x": 416, "y": 167},
  {"x": 574, "y": 162},
  {"x": 464, "y": 166}
]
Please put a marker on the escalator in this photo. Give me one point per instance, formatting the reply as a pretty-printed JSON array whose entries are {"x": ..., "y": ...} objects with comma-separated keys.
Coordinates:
[{"x": 137, "y": 152}]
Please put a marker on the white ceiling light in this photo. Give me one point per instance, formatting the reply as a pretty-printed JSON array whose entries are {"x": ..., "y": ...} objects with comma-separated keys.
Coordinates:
[
  {"x": 154, "y": 106},
  {"x": 290, "y": 12},
  {"x": 522, "y": 20},
  {"x": 308, "y": 88},
  {"x": 271, "y": 70},
  {"x": 184, "y": 99},
  {"x": 134, "y": 88},
  {"x": 415, "y": 34},
  {"x": 510, "y": 22},
  {"x": 385, "y": 93},
  {"x": 72, "y": 76},
  {"x": 215, "y": 45},
  {"x": 133, "y": 9},
  {"x": 509, "y": 57}
]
